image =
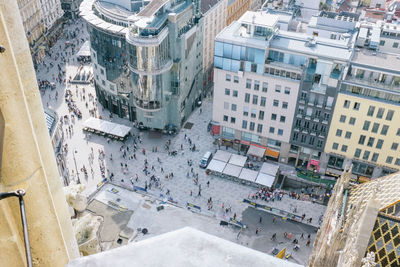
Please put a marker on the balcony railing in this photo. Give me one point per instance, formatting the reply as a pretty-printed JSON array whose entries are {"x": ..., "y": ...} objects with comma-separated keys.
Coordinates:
[
  {"x": 373, "y": 83},
  {"x": 149, "y": 105}
]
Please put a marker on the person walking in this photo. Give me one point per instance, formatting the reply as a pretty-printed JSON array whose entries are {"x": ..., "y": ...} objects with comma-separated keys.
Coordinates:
[
  {"x": 274, "y": 220},
  {"x": 257, "y": 230},
  {"x": 260, "y": 220}
]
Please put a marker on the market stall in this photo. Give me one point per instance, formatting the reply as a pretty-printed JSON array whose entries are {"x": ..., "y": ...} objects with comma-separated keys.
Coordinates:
[
  {"x": 222, "y": 155},
  {"x": 102, "y": 127}
]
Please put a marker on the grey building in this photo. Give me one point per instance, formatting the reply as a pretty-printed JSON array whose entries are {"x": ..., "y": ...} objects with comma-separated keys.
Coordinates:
[
  {"x": 70, "y": 8},
  {"x": 147, "y": 58},
  {"x": 319, "y": 85}
]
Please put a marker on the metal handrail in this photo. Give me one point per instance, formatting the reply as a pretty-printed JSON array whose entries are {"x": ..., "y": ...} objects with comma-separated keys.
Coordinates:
[{"x": 20, "y": 194}]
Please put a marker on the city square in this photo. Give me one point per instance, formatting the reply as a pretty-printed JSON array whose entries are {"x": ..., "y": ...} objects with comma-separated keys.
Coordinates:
[
  {"x": 127, "y": 171},
  {"x": 200, "y": 133}
]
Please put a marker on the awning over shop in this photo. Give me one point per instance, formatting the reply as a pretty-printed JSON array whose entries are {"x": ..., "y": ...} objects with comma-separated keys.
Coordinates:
[
  {"x": 256, "y": 151},
  {"x": 248, "y": 175},
  {"x": 333, "y": 172},
  {"x": 216, "y": 165},
  {"x": 237, "y": 160},
  {"x": 272, "y": 153},
  {"x": 222, "y": 155},
  {"x": 107, "y": 127},
  {"x": 232, "y": 170},
  {"x": 265, "y": 179},
  {"x": 85, "y": 50},
  {"x": 269, "y": 168}
]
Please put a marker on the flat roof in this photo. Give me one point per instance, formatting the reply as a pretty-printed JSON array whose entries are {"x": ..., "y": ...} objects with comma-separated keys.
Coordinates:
[
  {"x": 373, "y": 59},
  {"x": 296, "y": 42},
  {"x": 206, "y": 5},
  {"x": 151, "y": 8},
  {"x": 181, "y": 248},
  {"x": 259, "y": 18}
]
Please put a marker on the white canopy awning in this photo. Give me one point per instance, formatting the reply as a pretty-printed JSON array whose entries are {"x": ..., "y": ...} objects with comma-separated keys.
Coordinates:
[
  {"x": 107, "y": 127},
  {"x": 248, "y": 175},
  {"x": 85, "y": 50},
  {"x": 216, "y": 165},
  {"x": 269, "y": 168},
  {"x": 265, "y": 179},
  {"x": 256, "y": 151},
  {"x": 222, "y": 155},
  {"x": 232, "y": 170},
  {"x": 237, "y": 160}
]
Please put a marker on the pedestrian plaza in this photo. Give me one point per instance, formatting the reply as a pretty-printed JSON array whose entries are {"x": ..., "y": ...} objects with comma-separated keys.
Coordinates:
[{"x": 141, "y": 160}]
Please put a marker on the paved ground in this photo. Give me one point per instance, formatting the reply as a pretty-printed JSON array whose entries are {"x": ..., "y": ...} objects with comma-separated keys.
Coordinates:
[
  {"x": 221, "y": 191},
  {"x": 170, "y": 218}
]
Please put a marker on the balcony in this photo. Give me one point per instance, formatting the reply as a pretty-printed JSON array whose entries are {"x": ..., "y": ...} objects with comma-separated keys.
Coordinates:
[
  {"x": 335, "y": 74},
  {"x": 147, "y": 105},
  {"x": 373, "y": 83}
]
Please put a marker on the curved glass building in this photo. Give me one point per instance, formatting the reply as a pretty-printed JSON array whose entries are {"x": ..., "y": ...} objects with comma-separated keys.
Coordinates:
[{"x": 147, "y": 58}]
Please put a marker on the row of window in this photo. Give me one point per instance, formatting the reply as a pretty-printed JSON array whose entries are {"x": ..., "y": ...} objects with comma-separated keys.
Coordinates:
[
  {"x": 371, "y": 110},
  {"x": 375, "y": 156},
  {"x": 311, "y": 139},
  {"x": 249, "y": 83}
]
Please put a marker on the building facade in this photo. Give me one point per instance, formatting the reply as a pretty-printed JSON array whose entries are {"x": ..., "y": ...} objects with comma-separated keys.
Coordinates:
[
  {"x": 214, "y": 20},
  {"x": 53, "y": 20},
  {"x": 235, "y": 9},
  {"x": 363, "y": 129},
  {"x": 34, "y": 26},
  {"x": 71, "y": 8},
  {"x": 51, "y": 11},
  {"x": 147, "y": 59},
  {"x": 277, "y": 88},
  {"x": 57, "y": 139}
]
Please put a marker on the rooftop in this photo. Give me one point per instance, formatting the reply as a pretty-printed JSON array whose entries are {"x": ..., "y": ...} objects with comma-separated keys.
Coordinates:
[
  {"x": 259, "y": 18},
  {"x": 385, "y": 61},
  {"x": 285, "y": 40},
  {"x": 181, "y": 248},
  {"x": 152, "y": 8},
  {"x": 206, "y": 5},
  {"x": 384, "y": 190}
]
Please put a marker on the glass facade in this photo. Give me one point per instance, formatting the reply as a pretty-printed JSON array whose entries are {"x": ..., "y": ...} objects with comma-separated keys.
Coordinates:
[
  {"x": 238, "y": 58},
  {"x": 147, "y": 90},
  {"x": 286, "y": 58},
  {"x": 110, "y": 50},
  {"x": 149, "y": 58}
]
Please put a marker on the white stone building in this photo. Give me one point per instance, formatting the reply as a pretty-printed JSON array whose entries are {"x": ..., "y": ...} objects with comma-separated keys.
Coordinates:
[
  {"x": 275, "y": 88},
  {"x": 51, "y": 10},
  {"x": 214, "y": 15}
]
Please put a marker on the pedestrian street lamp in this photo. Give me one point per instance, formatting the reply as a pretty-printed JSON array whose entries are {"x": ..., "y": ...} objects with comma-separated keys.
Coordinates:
[{"x": 76, "y": 168}]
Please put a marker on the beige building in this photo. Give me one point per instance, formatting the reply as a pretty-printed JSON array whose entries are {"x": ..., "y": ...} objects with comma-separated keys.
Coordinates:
[
  {"x": 235, "y": 9},
  {"x": 364, "y": 128},
  {"x": 214, "y": 12},
  {"x": 34, "y": 26},
  {"x": 27, "y": 159}
]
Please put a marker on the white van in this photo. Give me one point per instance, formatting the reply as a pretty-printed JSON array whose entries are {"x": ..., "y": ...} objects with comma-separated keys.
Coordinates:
[{"x": 205, "y": 159}]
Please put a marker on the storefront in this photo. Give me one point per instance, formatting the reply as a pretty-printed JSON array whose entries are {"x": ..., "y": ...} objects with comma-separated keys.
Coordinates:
[
  {"x": 313, "y": 165},
  {"x": 272, "y": 154}
]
